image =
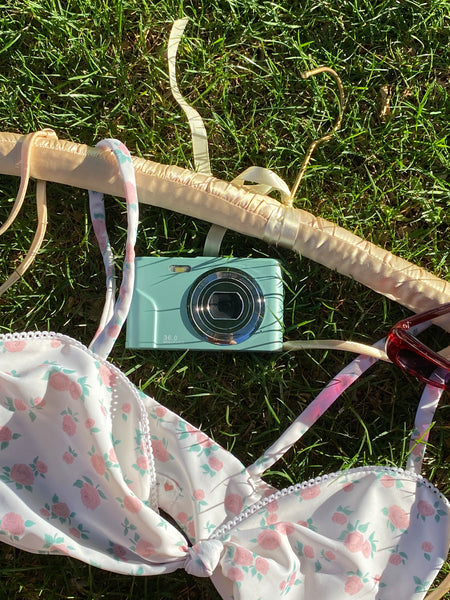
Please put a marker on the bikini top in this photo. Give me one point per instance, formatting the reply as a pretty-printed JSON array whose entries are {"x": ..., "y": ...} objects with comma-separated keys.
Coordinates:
[{"x": 118, "y": 462}]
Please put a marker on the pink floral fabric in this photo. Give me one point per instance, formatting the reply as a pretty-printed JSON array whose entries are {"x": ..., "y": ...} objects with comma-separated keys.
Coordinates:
[
  {"x": 371, "y": 532},
  {"x": 87, "y": 462},
  {"x": 117, "y": 457}
]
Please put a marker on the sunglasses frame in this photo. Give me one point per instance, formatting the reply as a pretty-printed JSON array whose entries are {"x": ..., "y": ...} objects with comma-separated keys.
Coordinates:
[{"x": 399, "y": 338}]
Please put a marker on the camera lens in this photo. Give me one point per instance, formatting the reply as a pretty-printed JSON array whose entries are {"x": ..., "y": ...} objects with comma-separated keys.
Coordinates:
[{"x": 225, "y": 306}]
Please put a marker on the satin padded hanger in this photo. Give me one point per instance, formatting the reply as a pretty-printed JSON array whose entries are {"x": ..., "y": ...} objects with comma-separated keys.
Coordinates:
[{"x": 41, "y": 203}]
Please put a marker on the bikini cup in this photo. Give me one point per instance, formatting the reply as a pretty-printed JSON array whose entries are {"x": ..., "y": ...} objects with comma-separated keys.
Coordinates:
[{"x": 118, "y": 461}]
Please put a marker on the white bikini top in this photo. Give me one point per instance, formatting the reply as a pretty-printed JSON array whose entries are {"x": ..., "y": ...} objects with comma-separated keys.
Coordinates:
[{"x": 89, "y": 466}]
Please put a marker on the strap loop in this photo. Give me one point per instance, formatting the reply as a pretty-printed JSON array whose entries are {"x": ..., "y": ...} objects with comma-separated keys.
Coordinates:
[
  {"x": 266, "y": 181},
  {"x": 41, "y": 203}
]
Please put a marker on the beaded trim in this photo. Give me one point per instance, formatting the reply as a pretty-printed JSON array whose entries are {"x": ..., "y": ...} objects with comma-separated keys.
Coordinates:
[
  {"x": 143, "y": 419},
  {"x": 254, "y": 508}
]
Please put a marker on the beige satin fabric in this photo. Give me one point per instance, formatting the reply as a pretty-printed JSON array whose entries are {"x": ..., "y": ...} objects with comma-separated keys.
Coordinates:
[
  {"x": 440, "y": 591},
  {"x": 207, "y": 198}
]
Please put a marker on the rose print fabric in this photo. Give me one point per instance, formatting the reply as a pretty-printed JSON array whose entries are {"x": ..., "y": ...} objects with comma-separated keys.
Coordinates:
[{"x": 119, "y": 461}]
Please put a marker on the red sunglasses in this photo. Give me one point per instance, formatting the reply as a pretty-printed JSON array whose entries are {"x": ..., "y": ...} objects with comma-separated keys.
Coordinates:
[{"x": 411, "y": 355}]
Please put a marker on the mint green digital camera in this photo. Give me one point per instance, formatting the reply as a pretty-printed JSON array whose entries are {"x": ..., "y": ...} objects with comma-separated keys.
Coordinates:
[{"x": 206, "y": 303}]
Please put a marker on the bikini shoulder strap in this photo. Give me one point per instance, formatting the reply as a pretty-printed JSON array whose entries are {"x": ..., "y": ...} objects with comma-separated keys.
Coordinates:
[{"x": 115, "y": 311}]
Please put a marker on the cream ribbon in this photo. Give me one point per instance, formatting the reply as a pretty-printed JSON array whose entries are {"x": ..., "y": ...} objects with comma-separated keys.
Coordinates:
[
  {"x": 41, "y": 205},
  {"x": 264, "y": 180}
]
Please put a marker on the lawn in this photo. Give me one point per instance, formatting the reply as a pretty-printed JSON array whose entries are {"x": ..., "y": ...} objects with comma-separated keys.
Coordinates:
[{"x": 91, "y": 69}]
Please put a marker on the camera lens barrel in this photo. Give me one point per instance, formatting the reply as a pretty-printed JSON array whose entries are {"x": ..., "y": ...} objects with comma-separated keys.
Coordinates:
[{"x": 225, "y": 306}]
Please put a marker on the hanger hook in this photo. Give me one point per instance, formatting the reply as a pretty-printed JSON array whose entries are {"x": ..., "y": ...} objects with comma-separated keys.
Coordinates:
[{"x": 326, "y": 137}]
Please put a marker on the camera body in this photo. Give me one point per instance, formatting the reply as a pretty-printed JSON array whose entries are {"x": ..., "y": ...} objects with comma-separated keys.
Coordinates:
[{"x": 205, "y": 303}]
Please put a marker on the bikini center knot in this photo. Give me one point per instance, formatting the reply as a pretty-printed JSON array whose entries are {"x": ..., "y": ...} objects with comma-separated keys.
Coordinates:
[{"x": 203, "y": 557}]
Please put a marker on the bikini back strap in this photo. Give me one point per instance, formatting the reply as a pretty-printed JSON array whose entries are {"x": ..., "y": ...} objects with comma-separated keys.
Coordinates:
[
  {"x": 115, "y": 311},
  {"x": 313, "y": 411},
  {"x": 334, "y": 389}
]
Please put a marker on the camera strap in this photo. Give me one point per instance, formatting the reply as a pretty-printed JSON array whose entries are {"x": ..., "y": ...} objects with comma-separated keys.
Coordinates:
[{"x": 115, "y": 311}]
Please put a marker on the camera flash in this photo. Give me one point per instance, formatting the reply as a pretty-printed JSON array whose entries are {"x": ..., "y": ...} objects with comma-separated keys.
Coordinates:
[{"x": 179, "y": 268}]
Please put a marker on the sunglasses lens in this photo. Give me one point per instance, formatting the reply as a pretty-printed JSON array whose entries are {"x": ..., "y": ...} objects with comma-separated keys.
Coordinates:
[
  {"x": 415, "y": 364},
  {"x": 413, "y": 356}
]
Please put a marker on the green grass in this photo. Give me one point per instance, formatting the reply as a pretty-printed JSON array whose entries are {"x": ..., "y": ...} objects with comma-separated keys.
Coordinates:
[{"x": 92, "y": 69}]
